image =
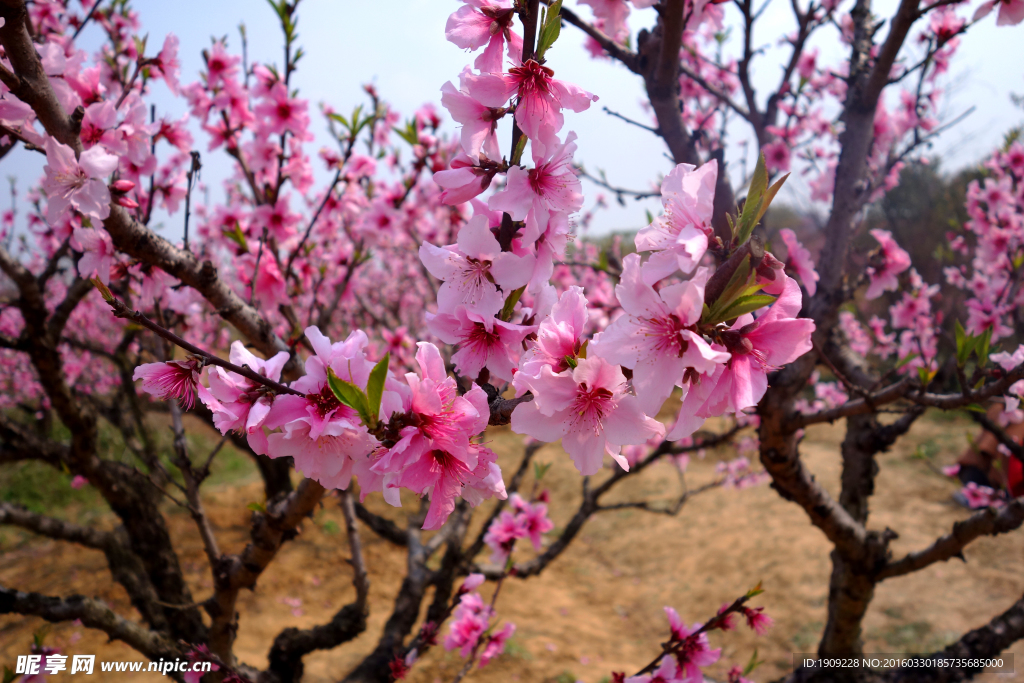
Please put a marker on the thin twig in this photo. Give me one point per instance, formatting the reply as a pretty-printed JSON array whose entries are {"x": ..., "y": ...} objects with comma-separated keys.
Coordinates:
[{"x": 122, "y": 311}]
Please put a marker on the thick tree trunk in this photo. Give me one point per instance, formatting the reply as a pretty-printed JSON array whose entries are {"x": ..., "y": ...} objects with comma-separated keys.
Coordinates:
[{"x": 850, "y": 592}]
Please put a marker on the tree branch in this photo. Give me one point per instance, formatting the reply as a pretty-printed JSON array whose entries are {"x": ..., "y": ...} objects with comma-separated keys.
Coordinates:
[
  {"x": 292, "y": 644},
  {"x": 988, "y": 522},
  {"x": 235, "y": 572},
  {"x": 93, "y": 614}
]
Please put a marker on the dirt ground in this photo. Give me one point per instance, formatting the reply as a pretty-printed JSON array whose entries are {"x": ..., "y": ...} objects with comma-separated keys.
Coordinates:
[{"x": 598, "y": 608}]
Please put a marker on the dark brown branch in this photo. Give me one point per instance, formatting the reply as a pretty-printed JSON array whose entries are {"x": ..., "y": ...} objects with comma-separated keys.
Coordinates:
[
  {"x": 381, "y": 526},
  {"x": 93, "y": 614},
  {"x": 988, "y": 522},
  {"x": 235, "y": 572},
  {"x": 375, "y": 667},
  {"x": 122, "y": 311},
  {"x": 195, "y": 503},
  {"x": 54, "y": 528},
  {"x": 501, "y": 408},
  {"x": 1015, "y": 448},
  {"x": 982, "y": 643},
  {"x": 292, "y": 644}
]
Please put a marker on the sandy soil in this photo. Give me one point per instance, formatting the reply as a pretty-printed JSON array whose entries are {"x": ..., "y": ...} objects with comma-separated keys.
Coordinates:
[{"x": 599, "y": 607}]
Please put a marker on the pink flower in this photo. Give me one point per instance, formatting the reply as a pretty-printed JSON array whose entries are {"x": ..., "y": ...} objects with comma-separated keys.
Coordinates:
[
  {"x": 464, "y": 180},
  {"x": 278, "y": 219},
  {"x": 502, "y": 534},
  {"x": 99, "y": 127},
  {"x": 757, "y": 346},
  {"x": 166, "y": 63},
  {"x": 541, "y": 98},
  {"x": 696, "y": 652},
  {"x": 200, "y": 653},
  {"x": 679, "y": 237},
  {"x": 979, "y": 496},
  {"x": 469, "y": 622},
  {"x": 1008, "y": 361},
  {"x": 174, "y": 379},
  {"x": 479, "y": 122},
  {"x": 472, "y": 582},
  {"x": 551, "y": 186},
  {"x": 1010, "y": 11},
  {"x": 433, "y": 452},
  {"x": 667, "y": 672},
  {"x": 76, "y": 184},
  {"x": 757, "y": 620},
  {"x": 284, "y": 114},
  {"x": 485, "y": 22},
  {"x": 657, "y": 337},
  {"x": 533, "y": 518},
  {"x": 238, "y": 403},
  {"x": 97, "y": 252},
  {"x": 496, "y": 643},
  {"x": 324, "y": 437},
  {"x": 587, "y": 408},
  {"x": 484, "y": 340},
  {"x": 474, "y": 268},
  {"x": 799, "y": 260},
  {"x": 612, "y": 14},
  {"x": 776, "y": 156},
  {"x": 894, "y": 261},
  {"x": 78, "y": 482},
  {"x": 558, "y": 338}
]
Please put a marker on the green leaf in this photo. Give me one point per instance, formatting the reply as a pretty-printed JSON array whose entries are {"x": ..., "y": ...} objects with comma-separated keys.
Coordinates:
[
  {"x": 737, "y": 284},
  {"x": 571, "y": 362},
  {"x": 104, "y": 290},
  {"x": 237, "y": 236},
  {"x": 963, "y": 345},
  {"x": 256, "y": 507},
  {"x": 746, "y": 304},
  {"x": 517, "y": 153},
  {"x": 351, "y": 395},
  {"x": 925, "y": 375},
  {"x": 510, "y": 304},
  {"x": 975, "y": 408},
  {"x": 540, "y": 469},
  {"x": 551, "y": 26},
  {"x": 982, "y": 347},
  {"x": 375, "y": 387},
  {"x": 755, "y": 591},
  {"x": 409, "y": 133},
  {"x": 906, "y": 359},
  {"x": 769, "y": 195},
  {"x": 753, "y": 663}
]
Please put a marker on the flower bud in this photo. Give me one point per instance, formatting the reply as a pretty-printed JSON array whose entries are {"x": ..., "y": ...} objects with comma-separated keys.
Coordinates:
[
  {"x": 122, "y": 185},
  {"x": 127, "y": 202},
  {"x": 472, "y": 582}
]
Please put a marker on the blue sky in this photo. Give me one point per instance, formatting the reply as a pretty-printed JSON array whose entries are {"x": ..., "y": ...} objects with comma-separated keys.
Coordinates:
[{"x": 399, "y": 45}]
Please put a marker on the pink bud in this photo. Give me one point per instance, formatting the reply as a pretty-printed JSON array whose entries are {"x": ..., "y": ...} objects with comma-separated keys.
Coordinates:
[
  {"x": 122, "y": 185},
  {"x": 472, "y": 582},
  {"x": 127, "y": 202}
]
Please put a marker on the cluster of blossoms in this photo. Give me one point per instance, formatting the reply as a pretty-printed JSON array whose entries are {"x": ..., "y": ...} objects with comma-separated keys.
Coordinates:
[
  {"x": 596, "y": 383},
  {"x": 995, "y": 207},
  {"x": 527, "y": 520},
  {"x": 471, "y": 631},
  {"x": 688, "y": 651}
]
